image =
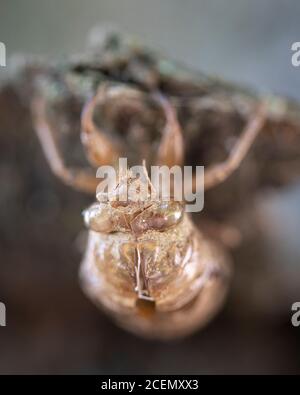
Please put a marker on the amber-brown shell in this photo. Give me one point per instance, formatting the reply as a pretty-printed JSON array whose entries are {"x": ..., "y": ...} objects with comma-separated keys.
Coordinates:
[{"x": 184, "y": 273}]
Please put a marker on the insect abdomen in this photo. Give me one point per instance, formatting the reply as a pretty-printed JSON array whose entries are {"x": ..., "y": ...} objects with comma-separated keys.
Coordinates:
[{"x": 181, "y": 274}]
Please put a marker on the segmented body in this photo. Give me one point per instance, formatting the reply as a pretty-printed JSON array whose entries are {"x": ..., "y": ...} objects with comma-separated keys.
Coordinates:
[
  {"x": 146, "y": 263},
  {"x": 156, "y": 283}
]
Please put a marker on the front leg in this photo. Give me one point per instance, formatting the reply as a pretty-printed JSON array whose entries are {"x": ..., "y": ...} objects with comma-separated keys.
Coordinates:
[
  {"x": 79, "y": 178},
  {"x": 219, "y": 172}
]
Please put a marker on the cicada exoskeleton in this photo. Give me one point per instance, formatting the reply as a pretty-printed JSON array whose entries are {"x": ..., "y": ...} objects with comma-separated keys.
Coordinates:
[{"x": 146, "y": 263}]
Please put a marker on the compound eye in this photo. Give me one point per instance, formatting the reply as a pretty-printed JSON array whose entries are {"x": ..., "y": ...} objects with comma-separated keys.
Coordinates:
[
  {"x": 98, "y": 218},
  {"x": 159, "y": 217}
]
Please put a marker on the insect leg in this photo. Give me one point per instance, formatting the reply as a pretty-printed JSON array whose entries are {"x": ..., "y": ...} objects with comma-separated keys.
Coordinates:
[
  {"x": 171, "y": 148},
  {"x": 99, "y": 149},
  {"x": 215, "y": 174},
  {"x": 81, "y": 179}
]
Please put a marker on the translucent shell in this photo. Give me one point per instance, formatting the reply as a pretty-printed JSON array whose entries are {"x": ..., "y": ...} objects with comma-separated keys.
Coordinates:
[
  {"x": 102, "y": 217},
  {"x": 159, "y": 216},
  {"x": 112, "y": 217},
  {"x": 157, "y": 284},
  {"x": 97, "y": 217}
]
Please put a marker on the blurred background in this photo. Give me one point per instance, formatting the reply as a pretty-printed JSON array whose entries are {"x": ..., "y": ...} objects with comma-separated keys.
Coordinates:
[
  {"x": 244, "y": 41},
  {"x": 51, "y": 326}
]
